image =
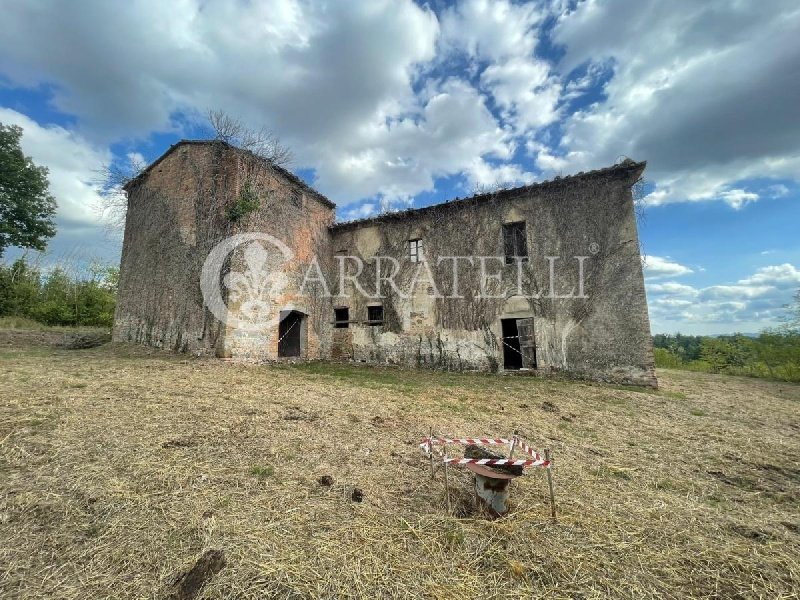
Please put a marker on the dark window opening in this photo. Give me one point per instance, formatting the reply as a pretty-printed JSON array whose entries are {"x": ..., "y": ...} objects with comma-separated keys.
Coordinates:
[
  {"x": 415, "y": 250},
  {"x": 375, "y": 315},
  {"x": 515, "y": 242},
  {"x": 297, "y": 198},
  {"x": 341, "y": 316}
]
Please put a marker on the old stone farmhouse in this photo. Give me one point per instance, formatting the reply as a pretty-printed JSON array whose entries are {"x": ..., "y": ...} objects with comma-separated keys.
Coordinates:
[{"x": 544, "y": 277}]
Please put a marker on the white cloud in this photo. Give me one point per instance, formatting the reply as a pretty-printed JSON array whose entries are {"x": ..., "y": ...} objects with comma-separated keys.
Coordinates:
[
  {"x": 499, "y": 38},
  {"x": 400, "y": 158},
  {"x": 136, "y": 159},
  {"x": 481, "y": 174},
  {"x": 695, "y": 92},
  {"x": 339, "y": 83},
  {"x": 777, "y": 191},
  {"x": 671, "y": 303},
  {"x": 491, "y": 29},
  {"x": 74, "y": 167},
  {"x": 548, "y": 162},
  {"x": 717, "y": 292},
  {"x": 672, "y": 287},
  {"x": 577, "y": 87},
  {"x": 525, "y": 91},
  {"x": 656, "y": 267},
  {"x": 738, "y": 198},
  {"x": 750, "y": 304},
  {"x": 785, "y": 275},
  {"x": 324, "y": 77},
  {"x": 367, "y": 209}
]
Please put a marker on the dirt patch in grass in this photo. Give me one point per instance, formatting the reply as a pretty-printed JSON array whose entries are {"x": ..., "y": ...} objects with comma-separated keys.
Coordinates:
[
  {"x": 121, "y": 466},
  {"x": 14, "y": 341}
]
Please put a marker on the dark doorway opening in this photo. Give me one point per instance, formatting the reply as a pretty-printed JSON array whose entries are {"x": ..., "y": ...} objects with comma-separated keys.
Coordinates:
[
  {"x": 512, "y": 356},
  {"x": 290, "y": 332}
]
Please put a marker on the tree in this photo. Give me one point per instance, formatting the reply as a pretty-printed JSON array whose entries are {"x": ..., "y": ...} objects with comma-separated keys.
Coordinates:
[
  {"x": 112, "y": 178},
  {"x": 58, "y": 297},
  {"x": 222, "y": 127},
  {"x": 791, "y": 321},
  {"x": 261, "y": 142},
  {"x": 19, "y": 287},
  {"x": 726, "y": 352},
  {"x": 26, "y": 206}
]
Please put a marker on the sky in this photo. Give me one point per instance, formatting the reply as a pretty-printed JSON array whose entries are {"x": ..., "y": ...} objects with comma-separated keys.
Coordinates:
[{"x": 392, "y": 103}]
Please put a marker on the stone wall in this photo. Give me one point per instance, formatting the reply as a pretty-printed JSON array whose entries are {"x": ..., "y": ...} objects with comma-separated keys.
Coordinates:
[
  {"x": 178, "y": 212},
  {"x": 298, "y": 218},
  {"x": 604, "y": 335},
  {"x": 189, "y": 201},
  {"x": 173, "y": 220}
]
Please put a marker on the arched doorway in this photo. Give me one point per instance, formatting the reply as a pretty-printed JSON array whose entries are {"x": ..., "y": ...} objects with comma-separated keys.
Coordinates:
[{"x": 291, "y": 334}]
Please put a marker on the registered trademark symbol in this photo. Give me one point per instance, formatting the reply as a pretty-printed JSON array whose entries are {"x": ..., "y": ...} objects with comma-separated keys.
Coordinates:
[{"x": 594, "y": 247}]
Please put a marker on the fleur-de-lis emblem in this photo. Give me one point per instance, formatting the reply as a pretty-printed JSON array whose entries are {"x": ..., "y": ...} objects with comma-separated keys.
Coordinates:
[
  {"x": 254, "y": 285},
  {"x": 255, "y": 289}
]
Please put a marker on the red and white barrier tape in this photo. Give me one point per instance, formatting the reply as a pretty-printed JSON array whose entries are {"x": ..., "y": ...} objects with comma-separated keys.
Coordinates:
[
  {"x": 538, "y": 462},
  {"x": 476, "y": 441},
  {"x": 428, "y": 446}
]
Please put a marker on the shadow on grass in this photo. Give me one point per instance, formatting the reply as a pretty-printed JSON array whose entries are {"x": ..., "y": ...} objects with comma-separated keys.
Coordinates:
[{"x": 411, "y": 380}]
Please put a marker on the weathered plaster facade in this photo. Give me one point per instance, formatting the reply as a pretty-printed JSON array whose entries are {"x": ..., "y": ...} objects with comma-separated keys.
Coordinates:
[
  {"x": 178, "y": 211},
  {"x": 583, "y": 312}
]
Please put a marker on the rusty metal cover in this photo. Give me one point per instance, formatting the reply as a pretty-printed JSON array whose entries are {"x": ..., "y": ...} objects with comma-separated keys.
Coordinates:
[{"x": 487, "y": 472}]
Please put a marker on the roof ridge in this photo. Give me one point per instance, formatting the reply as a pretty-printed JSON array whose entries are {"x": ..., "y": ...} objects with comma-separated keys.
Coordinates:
[
  {"x": 282, "y": 170},
  {"x": 626, "y": 165}
]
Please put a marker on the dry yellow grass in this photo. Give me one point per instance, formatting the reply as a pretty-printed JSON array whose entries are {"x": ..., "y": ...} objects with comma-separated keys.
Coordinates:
[{"x": 119, "y": 466}]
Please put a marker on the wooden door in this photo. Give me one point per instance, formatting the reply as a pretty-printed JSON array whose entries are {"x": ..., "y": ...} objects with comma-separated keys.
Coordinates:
[{"x": 527, "y": 343}]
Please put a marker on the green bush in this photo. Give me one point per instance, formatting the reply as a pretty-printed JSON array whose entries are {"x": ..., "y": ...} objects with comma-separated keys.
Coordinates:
[
  {"x": 57, "y": 298},
  {"x": 666, "y": 359}
]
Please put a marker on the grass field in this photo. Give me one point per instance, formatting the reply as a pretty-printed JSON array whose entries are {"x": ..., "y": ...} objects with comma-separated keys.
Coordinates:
[{"x": 119, "y": 466}]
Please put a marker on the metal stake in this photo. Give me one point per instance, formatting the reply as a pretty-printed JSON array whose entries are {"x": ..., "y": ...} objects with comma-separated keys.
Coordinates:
[
  {"x": 447, "y": 486},
  {"x": 430, "y": 450},
  {"x": 550, "y": 484},
  {"x": 513, "y": 446}
]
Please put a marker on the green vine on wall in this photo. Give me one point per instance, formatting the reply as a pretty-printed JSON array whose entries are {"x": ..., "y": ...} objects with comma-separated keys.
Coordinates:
[{"x": 247, "y": 202}]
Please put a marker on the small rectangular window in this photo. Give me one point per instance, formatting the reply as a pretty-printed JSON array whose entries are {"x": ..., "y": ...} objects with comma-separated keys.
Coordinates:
[
  {"x": 415, "y": 250},
  {"x": 297, "y": 198},
  {"x": 341, "y": 317},
  {"x": 374, "y": 315},
  {"x": 515, "y": 242}
]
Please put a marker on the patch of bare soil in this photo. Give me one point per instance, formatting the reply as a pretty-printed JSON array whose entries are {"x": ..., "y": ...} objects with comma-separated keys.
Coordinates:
[
  {"x": 71, "y": 339},
  {"x": 127, "y": 473}
]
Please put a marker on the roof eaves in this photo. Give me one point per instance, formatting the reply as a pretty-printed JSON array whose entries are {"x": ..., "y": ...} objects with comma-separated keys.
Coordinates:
[{"x": 626, "y": 165}]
